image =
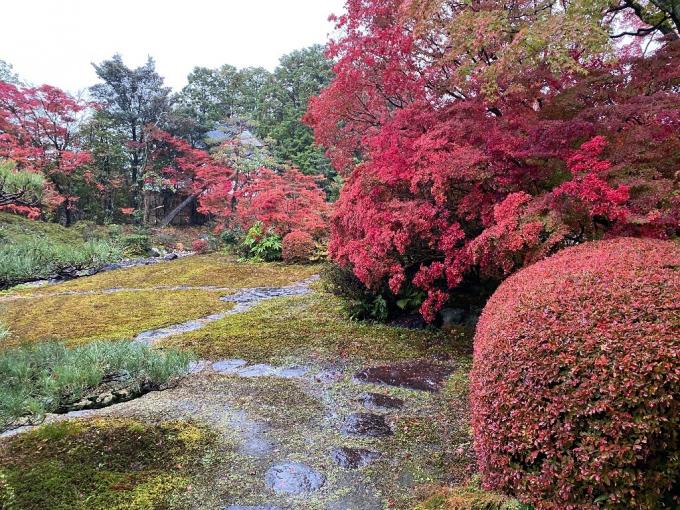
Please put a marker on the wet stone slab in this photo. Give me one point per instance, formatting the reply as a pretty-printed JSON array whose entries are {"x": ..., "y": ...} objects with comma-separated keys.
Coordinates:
[
  {"x": 415, "y": 375},
  {"x": 228, "y": 366},
  {"x": 353, "y": 458},
  {"x": 293, "y": 478},
  {"x": 256, "y": 507},
  {"x": 380, "y": 401},
  {"x": 366, "y": 424}
]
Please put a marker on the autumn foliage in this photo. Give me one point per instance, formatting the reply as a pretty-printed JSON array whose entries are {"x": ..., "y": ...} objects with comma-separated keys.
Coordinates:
[
  {"x": 38, "y": 132},
  {"x": 199, "y": 246},
  {"x": 576, "y": 379},
  {"x": 283, "y": 202},
  {"x": 475, "y": 142},
  {"x": 297, "y": 247}
]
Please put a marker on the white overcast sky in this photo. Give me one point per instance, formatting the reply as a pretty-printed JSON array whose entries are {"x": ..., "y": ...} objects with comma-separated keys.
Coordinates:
[{"x": 55, "y": 41}]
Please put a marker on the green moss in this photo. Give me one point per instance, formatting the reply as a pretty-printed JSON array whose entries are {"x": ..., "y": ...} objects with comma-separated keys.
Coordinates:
[
  {"x": 312, "y": 325},
  {"x": 205, "y": 270},
  {"x": 469, "y": 497},
  {"x": 103, "y": 464},
  {"x": 79, "y": 319}
]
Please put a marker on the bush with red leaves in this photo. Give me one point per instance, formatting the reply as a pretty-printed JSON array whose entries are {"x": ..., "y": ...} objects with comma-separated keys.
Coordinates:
[
  {"x": 297, "y": 247},
  {"x": 199, "y": 246},
  {"x": 576, "y": 379}
]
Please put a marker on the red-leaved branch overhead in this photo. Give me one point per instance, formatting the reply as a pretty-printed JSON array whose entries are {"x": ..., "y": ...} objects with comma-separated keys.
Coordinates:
[{"x": 476, "y": 140}]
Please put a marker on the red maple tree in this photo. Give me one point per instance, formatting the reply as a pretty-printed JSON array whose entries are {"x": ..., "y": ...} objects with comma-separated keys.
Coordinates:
[
  {"x": 476, "y": 140},
  {"x": 38, "y": 131}
]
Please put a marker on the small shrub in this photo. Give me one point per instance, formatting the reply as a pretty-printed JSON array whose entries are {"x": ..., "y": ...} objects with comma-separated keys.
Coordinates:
[
  {"x": 262, "y": 245},
  {"x": 37, "y": 258},
  {"x": 40, "y": 378},
  {"x": 232, "y": 236},
  {"x": 576, "y": 379},
  {"x": 359, "y": 302},
  {"x": 297, "y": 247},
  {"x": 138, "y": 244},
  {"x": 199, "y": 246}
]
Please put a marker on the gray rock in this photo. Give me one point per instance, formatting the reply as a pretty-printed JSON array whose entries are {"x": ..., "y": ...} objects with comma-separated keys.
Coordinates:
[
  {"x": 170, "y": 256},
  {"x": 452, "y": 316},
  {"x": 417, "y": 375},
  {"x": 293, "y": 478},
  {"x": 366, "y": 424},
  {"x": 353, "y": 458},
  {"x": 380, "y": 401},
  {"x": 228, "y": 366}
]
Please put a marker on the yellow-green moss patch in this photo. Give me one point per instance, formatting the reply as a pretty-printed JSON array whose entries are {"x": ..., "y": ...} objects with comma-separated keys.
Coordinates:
[
  {"x": 205, "y": 270},
  {"x": 469, "y": 497},
  {"x": 102, "y": 465},
  {"x": 83, "y": 318},
  {"x": 312, "y": 325}
]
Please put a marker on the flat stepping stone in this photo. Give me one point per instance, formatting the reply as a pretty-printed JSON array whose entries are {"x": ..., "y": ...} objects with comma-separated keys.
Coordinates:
[
  {"x": 380, "y": 401},
  {"x": 261, "y": 370},
  {"x": 415, "y": 375},
  {"x": 256, "y": 507},
  {"x": 366, "y": 424},
  {"x": 292, "y": 372},
  {"x": 328, "y": 376},
  {"x": 293, "y": 478},
  {"x": 228, "y": 366},
  {"x": 353, "y": 458}
]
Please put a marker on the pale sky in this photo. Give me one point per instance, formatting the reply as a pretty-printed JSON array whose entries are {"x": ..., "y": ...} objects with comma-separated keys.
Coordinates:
[{"x": 55, "y": 41}]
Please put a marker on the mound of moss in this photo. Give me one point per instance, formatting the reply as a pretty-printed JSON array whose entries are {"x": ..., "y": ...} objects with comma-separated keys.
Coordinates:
[{"x": 102, "y": 465}]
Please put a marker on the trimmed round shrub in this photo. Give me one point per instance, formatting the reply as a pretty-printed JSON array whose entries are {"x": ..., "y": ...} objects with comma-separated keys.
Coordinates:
[
  {"x": 576, "y": 379},
  {"x": 297, "y": 247},
  {"x": 199, "y": 246}
]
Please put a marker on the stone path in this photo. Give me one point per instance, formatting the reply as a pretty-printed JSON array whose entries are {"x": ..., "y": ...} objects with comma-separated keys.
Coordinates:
[
  {"x": 303, "y": 435},
  {"x": 244, "y": 300}
]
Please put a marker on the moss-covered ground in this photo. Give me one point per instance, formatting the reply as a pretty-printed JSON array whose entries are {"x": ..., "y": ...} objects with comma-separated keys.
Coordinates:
[
  {"x": 215, "y": 270},
  {"x": 102, "y": 465},
  {"x": 244, "y": 425},
  {"x": 78, "y": 319},
  {"x": 314, "y": 325}
]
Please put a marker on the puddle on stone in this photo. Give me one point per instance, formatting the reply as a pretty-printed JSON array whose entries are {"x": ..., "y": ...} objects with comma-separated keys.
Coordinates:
[
  {"x": 380, "y": 401},
  {"x": 293, "y": 478},
  {"x": 243, "y": 299},
  {"x": 366, "y": 424},
  {"x": 353, "y": 458},
  {"x": 240, "y": 367},
  {"x": 416, "y": 375}
]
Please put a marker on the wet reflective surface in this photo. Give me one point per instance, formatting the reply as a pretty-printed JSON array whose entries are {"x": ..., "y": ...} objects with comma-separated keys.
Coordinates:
[
  {"x": 416, "y": 375},
  {"x": 366, "y": 424},
  {"x": 380, "y": 401},
  {"x": 293, "y": 478},
  {"x": 353, "y": 458}
]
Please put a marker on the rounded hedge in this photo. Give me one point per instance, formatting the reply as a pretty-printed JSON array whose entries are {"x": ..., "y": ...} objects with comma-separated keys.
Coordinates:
[
  {"x": 297, "y": 247},
  {"x": 576, "y": 379}
]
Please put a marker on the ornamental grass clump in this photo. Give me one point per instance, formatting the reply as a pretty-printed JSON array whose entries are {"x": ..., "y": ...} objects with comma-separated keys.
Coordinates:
[
  {"x": 576, "y": 379},
  {"x": 42, "y": 378}
]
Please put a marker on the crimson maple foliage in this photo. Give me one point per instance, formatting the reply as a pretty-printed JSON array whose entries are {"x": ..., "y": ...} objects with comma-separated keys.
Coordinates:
[
  {"x": 38, "y": 131},
  {"x": 283, "y": 202},
  {"x": 576, "y": 375},
  {"x": 470, "y": 154}
]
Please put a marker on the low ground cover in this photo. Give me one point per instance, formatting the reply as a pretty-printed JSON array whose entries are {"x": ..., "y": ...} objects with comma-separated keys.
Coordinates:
[
  {"x": 78, "y": 319},
  {"x": 102, "y": 465},
  {"x": 313, "y": 325},
  {"x": 216, "y": 270},
  {"x": 45, "y": 377},
  {"x": 31, "y": 250}
]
